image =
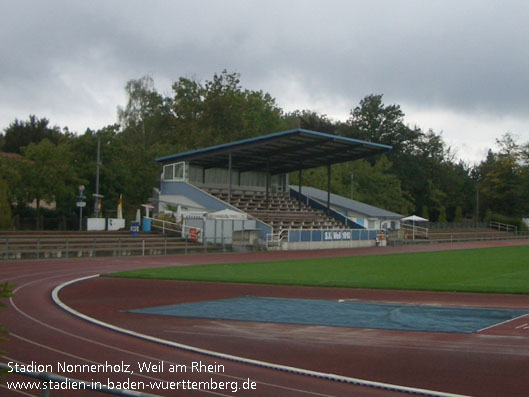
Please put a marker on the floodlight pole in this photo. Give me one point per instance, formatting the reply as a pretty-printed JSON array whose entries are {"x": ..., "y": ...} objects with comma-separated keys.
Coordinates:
[{"x": 98, "y": 163}]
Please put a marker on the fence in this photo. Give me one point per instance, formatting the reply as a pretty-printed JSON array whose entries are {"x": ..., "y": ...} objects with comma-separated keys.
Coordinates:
[
  {"x": 460, "y": 237},
  {"x": 503, "y": 227},
  {"x": 456, "y": 225},
  {"x": 54, "y": 247}
]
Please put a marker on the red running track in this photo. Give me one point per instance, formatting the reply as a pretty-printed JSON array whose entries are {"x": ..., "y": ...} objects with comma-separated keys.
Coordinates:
[{"x": 494, "y": 362}]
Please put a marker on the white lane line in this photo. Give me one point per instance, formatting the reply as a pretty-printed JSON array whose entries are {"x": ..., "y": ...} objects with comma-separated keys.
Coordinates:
[
  {"x": 272, "y": 385},
  {"x": 229, "y": 357},
  {"x": 521, "y": 326},
  {"x": 503, "y": 322}
]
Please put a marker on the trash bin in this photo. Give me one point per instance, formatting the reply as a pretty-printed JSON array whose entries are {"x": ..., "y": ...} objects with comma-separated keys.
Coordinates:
[
  {"x": 134, "y": 228},
  {"x": 146, "y": 225}
]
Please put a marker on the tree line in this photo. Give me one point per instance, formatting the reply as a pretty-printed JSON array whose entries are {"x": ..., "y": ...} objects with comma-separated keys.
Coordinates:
[{"x": 42, "y": 162}]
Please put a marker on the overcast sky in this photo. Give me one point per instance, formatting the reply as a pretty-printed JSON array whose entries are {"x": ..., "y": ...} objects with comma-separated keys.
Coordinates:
[{"x": 458, "y": 67}]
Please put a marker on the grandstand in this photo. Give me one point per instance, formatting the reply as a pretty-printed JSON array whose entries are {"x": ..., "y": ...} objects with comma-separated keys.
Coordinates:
[
  {"x": 250, "y": 177},
  {"x": 280, "y": 211}
]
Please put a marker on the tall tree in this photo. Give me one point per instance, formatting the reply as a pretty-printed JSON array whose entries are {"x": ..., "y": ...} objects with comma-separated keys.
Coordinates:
[
  {"x": 503, "y": 179},
  {"x": 310, "y": 120},
  {"x": 220, "y": 110},
  {"x": 49, "y": 175},
  {"x": 374, "y": 121},
  {"x": 6, "y": 222},
  {"x": 361, "y": 181},
  {"x": 20, "y": 134},
  {"x": 147, "y": 118}
]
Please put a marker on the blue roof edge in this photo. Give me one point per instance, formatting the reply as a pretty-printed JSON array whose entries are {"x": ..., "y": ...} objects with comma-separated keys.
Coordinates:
[{"x": 271, "y": 136}]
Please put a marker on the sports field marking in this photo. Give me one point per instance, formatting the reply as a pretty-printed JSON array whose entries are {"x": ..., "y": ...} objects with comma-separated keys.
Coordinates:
[
  {"x": 503, "y": 322},
  {"x": 331, "y": 313},
  {"x": 243, "y": 360},
  {"x": 106, "y": 346}
]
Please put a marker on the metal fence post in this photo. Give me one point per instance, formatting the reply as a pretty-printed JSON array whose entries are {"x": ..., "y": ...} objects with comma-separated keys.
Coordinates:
[
  {"x": 142, "y": 247},
  {"x": 67, "y": 249},
  {"x": 38, "y": 248}
]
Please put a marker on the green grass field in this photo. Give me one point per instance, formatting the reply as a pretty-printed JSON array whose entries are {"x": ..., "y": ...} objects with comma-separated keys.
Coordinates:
[{"x": 503, "y": 269}]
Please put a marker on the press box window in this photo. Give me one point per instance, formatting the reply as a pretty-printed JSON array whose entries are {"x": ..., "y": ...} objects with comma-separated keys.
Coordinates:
[{"x": 174, "y": 172}]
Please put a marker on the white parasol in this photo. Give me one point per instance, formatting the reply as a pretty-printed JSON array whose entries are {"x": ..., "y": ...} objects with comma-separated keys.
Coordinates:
[{"x": 414, "y": 218}]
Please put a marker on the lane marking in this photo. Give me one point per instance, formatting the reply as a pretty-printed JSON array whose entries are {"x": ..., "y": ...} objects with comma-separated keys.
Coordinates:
[
  {"x": 503, "y": 322},
  {"x": 272, "y": 385},
  {"x": 229, "y": 357}
]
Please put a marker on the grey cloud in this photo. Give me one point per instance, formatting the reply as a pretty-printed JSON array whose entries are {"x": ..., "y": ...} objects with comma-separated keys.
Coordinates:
[{"x": 466, "y": 56}]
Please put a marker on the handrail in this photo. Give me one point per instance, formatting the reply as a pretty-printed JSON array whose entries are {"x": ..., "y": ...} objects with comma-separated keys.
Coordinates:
[
  {"x": 69, "y": 247},
  {"x": 183, "y": 229},
  {"x": 503, "y": 226},
  {"x": 416, "y": 230},
  {"x": 280, "y": 237},
  {"x": 98, "y": 387}
]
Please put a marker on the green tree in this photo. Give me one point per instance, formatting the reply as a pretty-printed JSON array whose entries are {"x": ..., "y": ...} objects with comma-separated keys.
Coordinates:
[
  {"x": 503, "y": 183},
  {"x": 442, "y": 215},
  {"x": 20, "y": 134},
  {"x": 374, "y": 121},
  {"x": 373, "y": 184},
  {"x": 147, "y": 118},
  {"x": 458, "y": 217},
  {"x": 309, "y": 120},
  {"x": 9, "y": 173},
  {"x": 6, "y": 222},
  {"x": 220, "y": 110},
  {"x": 425, "y": 213},
  {"x": 49, "y": 175}
]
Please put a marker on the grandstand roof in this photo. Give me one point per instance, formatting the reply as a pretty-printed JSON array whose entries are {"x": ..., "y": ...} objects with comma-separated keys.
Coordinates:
[
  {"x": 281, "y": 152},
  {"x": 353, "y": 205}
]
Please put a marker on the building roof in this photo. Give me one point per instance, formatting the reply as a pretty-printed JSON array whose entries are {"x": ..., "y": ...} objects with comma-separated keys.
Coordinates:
[
  {"x": 353, "y": 205},
  {"x": 10, "y": 155},
  {"x": 281, "y": 152}
]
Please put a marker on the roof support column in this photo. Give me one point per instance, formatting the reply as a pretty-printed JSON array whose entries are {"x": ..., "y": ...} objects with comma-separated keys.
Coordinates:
[
  {"x": 328, "y": 188},
  {"x": 299, "y": 190},
  {"x": 267, "y": 184},
  {"x": 229, "y": 177}
]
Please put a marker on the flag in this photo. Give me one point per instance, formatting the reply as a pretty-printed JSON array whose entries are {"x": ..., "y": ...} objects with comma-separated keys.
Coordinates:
[{"x": 120, "y": 207}]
